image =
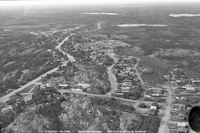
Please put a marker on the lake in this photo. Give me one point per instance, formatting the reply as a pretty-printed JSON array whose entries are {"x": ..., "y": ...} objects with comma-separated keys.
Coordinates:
[
  {"x": 184, "y": 15},
  {"x": 138, "y": 25},
  {"x": 100, "y": 13}
]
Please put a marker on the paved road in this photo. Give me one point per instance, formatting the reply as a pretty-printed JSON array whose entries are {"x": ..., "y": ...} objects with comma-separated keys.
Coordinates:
[
  {"x": 71, "y": 58},
  {"x": 6, "y": 97},
  {"x": 112, "y": 78},
  {"x": 163, "y": 127},
  {"x": 104, "y": 96}
]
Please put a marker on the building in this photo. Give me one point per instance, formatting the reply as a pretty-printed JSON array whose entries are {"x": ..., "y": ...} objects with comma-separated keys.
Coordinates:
[
  {"x": 76, "y": 89},
  {"x": 182, "y": 124},
  {"x": 153, "y": 107},
  {"x": 63, "y": 86},
  {"x": 174, "y": 113},
  {"x": 172, "y": 125},
  {"x": 172, "y": 130},
  {"x": 127, "y": 83},
  {"x": 190, "y": 89},
  {"x": 174, "y": 118},
  {"x": 182, "y": 130},
  {"x": 84, "y": 85},
  {"x": 122, "y": 74},
  {"x": 152, "y": 110},
  {"x": 196, "y": 81},
  {"x": 175, "y": 107}
]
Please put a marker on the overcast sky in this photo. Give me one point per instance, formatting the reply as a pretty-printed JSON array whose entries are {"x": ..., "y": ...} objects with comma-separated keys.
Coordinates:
[{"x": 85, "y": 2}]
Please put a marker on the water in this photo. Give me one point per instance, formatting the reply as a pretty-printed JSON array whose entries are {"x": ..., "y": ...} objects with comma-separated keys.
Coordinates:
[
  {"x": 138, "y": 25},
  {"x": 184, "y": 15},
  {"x": 100, "y": 13}
]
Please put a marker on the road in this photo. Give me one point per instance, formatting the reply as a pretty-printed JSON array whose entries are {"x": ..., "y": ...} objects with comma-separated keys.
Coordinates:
[
  {"x": 71, "y": 58},
  {"x": 163, "y": 126},
  {"x": 6, "y": 97},
  {"x": 104, "y": 96},
  {"x": 112, "y": 78},
  {"x": 138, "y": 75}
]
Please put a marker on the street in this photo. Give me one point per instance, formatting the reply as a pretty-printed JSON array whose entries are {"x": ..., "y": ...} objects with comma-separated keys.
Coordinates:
[{"x": 163, "y": 126}]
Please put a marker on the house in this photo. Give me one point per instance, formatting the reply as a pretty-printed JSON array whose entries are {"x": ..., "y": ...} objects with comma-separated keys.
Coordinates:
[
  {"x": 196, "y": 81},
  {"x": 182, "y": 124},
  {"x": 174, "y": 113},
  {"x": 76, "y": 89},
  {"x": 127, "y": 83},
  {"x": 153, "y": 107},
  {"x": 197, "y": 89},
  {"x": 172, "y": 125},
  {"x": 190, "y": 89},
  {"x": 156, "y": 95},
  {"x": 176, "y": 107},
  {"x": 63, "y": 86},
  {"x": 183, "y": 98},
  {"x": 181, "y": 88},
  {"x": 182, "y": 130},
  {"x": 151, "y": 112},
  {"x": 83, "y": 85},
  {"x": 181, "y": 116},
  {"x": 174, "y": 118},
  {"x": 125, "y": 90},
  {"x": 172, "y": 130},
  {"x": 122, "y": 74}
]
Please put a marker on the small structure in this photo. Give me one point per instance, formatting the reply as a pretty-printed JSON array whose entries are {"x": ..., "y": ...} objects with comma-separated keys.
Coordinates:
[
  {"x": 182, "y": 124},
  {"x": 196, "y": 81},
  {"x": 63, "y": 86},
  {"x": 74, "y": 89},
  {"x": 84, "y": 85},
  {"x": 173, "y": 131},
  {"x": 182, "y": 130},
  {"x": 172, "y": 125},
  {"x": 190, "y": 89}
]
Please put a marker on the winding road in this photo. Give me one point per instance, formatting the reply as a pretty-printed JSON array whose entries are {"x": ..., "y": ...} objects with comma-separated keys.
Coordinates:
[
  {"x": 112, "y": 78},
  {"x": 58, "y": 47}
]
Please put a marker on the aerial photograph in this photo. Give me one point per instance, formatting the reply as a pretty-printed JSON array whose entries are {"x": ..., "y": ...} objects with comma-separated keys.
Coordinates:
[{"x": 100, "y": 66}]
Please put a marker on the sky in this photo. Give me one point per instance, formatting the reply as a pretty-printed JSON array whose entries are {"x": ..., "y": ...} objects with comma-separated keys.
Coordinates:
[{"x": 88, "y": 2}]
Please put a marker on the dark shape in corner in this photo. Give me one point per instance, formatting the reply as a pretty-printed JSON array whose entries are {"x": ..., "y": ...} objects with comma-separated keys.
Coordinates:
[{"x": 194, "y": 118}]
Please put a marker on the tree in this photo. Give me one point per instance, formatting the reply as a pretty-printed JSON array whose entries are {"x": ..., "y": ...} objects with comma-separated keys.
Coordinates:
[{"x": 142, "y": 105}]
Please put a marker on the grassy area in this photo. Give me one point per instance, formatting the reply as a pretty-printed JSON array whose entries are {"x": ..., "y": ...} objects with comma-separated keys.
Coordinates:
[{"x": 27, "y": 89}]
